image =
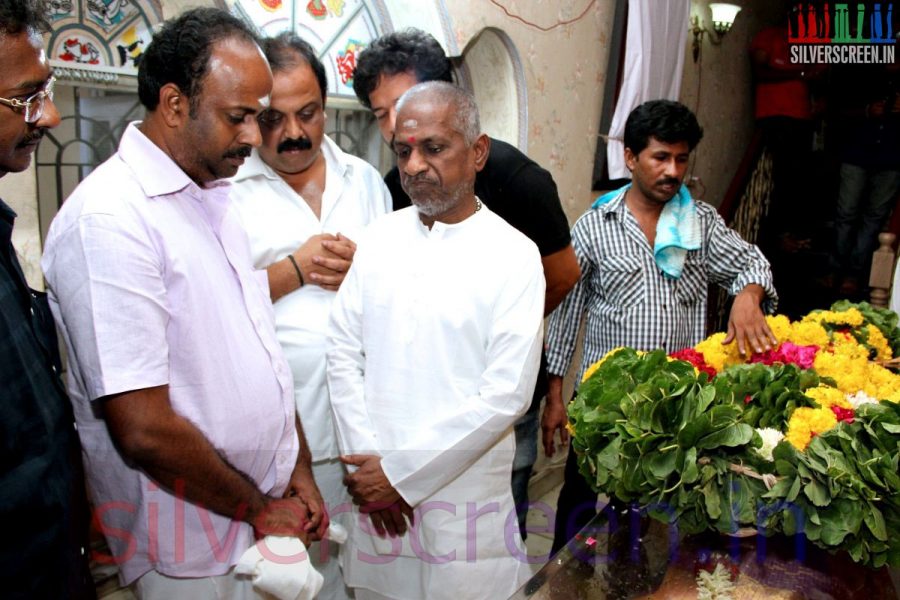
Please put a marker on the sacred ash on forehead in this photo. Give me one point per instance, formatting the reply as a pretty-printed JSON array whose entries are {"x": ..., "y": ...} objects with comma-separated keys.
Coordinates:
[
  {"x": 264, "y": 101},
  {"x": 410, "y": 123}
]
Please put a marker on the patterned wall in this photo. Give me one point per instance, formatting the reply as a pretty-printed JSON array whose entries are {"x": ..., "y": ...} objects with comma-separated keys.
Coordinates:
[
  {"x": 338, "y": 29},
  {"x": 102, "y": 33}
]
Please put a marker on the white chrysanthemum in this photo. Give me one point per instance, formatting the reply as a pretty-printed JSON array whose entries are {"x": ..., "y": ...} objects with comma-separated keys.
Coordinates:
[
  {"x": 859, "y": 398},
  {"x": 716, "y": 585},
  {"x": 770, "y": 438}
]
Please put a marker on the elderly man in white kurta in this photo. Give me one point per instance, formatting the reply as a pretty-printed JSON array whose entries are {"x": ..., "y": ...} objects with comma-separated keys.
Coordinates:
[
  {"x": 295, "y": 195},
  {"x": 434, "y": 349}
]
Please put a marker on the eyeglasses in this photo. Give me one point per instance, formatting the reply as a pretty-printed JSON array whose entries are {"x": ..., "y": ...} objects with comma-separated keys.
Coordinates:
[{"x": 34, "y": 104}]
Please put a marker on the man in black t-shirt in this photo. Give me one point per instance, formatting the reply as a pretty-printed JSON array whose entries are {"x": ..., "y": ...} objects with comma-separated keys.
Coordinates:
[{"x": 511, "y": 184}]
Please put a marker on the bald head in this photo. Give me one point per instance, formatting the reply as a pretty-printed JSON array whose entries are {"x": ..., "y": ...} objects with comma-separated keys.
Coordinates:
[{"x": 460, "y": 105}]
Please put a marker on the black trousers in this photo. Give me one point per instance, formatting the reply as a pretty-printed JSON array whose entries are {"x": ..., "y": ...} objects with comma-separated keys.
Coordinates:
[{"x": 576, "y": 506}]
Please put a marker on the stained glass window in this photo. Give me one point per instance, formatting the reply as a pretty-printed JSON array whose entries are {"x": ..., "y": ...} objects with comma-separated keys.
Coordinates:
[{"x": 337, "y": 29}]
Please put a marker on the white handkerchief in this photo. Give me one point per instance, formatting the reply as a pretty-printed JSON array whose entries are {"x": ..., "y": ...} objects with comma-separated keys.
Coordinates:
[
  {"x": 337, "y": 533},
  {"x": 280, "y": 566}
]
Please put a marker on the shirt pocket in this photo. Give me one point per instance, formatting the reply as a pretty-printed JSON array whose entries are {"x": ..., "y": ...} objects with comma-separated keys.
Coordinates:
[
  {"x": 693, "y": 283},
  {"x": 622, "y": 281}
]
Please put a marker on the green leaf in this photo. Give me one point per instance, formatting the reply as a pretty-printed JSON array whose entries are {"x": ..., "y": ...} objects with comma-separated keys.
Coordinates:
[
  {"x": 736, "y": 434},
  {"x": 712, "y": 500},
  {"x": 875, "y": 522},
  {"x": 690, "y": 473},
  {"x": 817, "y": 493},
  {"x": 794, "y": 491},
  {"x": 706, "y": 397},
  {"x": 609, "y": 456},
  {"x": 662, "y": 464},
  {"x": 832, "y": 533}
]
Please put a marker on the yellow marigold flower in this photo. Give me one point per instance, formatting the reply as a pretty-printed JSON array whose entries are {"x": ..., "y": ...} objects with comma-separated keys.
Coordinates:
[
  {"x": 570, "y": 429},
  {"x": 591, "y": 370},
  {"x": 805, "y": 422},
  {"x": 808, "y": 333},
  {"x": 879, "y": 342},
  {"x": 780, "y": 326},
  {"x": 850, "y": 317},
  {"x": 798, "y": 439},
  {"x": 851, "y": 373},
  {"x": 716, "y": 355},
  {"x": 826, "y": 397},
  {"x": 845, "y": 344},
  {"x": 883, "y": 384}
]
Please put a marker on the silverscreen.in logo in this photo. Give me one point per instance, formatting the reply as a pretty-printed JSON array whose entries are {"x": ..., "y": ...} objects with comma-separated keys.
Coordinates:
[{"x": 843, "y": 33}]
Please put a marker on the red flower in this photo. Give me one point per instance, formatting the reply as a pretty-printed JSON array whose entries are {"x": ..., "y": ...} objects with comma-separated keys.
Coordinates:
[
  {"x": 689, "y": 355},
  {"x": 842, "y": 414}
]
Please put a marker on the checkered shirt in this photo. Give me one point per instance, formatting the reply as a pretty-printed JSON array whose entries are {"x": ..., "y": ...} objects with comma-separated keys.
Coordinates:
[{"x": 629, "y": 301}]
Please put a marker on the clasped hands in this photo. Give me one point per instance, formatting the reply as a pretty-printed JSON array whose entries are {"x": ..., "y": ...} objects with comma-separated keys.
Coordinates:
[
  {"x": 375, "y": 496},
  {"x": 324, "y": 259},
  {"x": 300, "y": 512}
]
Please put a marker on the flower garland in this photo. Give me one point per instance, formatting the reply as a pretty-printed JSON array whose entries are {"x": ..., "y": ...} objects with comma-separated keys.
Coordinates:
[{"x": 839, "y": 344}]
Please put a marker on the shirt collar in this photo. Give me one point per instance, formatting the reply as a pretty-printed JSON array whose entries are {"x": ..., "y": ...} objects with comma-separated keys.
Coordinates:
[
  {"x": 615, "y": 206},
  {"x": 155, "y": 171}
]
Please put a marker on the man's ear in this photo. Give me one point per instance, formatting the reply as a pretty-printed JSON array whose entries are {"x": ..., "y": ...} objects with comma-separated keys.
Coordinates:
[
  {"x": 482, "y": 147},
  {"x": 174, "y": 106},
  {"x": 630, "y": 159}
]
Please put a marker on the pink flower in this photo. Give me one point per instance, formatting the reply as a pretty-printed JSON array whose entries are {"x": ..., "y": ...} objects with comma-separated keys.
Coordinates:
[
  {"x": 802, "y": 356},
  {"x": 788, "y": 353}
]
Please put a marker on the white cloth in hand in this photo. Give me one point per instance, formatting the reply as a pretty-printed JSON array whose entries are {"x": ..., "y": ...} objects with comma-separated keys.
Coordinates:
[{"x": 280, "y": 566}]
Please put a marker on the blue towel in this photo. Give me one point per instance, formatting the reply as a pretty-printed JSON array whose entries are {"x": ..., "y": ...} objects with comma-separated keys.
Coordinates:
[{"x": 677, "y": 231}]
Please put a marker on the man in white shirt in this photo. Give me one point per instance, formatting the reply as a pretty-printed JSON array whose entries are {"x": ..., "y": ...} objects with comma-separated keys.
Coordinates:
[
  {"x": 302, "y": 200},
  {"x": 433, "y": 352}
]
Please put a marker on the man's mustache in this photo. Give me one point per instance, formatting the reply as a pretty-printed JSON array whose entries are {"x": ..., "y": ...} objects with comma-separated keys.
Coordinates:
[
  {"x": 34, "y": 136},
  {"x": 668, "y": 181},
  {"x": 294, "y": 144},
  {"x": 240, "y": 152},
  {"x": 410, "y": 179}
]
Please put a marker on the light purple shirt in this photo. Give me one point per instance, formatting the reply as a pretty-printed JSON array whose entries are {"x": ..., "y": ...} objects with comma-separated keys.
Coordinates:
[{"x": 152, "y": 284}]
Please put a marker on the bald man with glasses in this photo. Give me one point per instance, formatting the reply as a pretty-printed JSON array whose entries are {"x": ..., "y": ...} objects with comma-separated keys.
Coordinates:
[{"x": 42, "y": 506}]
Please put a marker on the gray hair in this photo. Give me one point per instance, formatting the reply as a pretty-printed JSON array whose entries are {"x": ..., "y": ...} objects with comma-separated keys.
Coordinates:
[{"x": 462, "y": 102}]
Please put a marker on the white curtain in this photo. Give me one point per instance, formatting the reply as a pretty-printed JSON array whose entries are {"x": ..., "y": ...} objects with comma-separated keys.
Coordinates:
[{"x": 654, "y": 59}]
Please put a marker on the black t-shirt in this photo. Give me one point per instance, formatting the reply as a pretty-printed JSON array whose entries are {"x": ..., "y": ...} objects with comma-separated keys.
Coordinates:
[
  {"x": 518, "y": 190},
  {"x": 525, "y": 196}
]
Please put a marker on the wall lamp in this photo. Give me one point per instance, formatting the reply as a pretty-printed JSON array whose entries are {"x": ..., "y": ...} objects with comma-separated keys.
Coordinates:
[{"x": 723, "y": 15}]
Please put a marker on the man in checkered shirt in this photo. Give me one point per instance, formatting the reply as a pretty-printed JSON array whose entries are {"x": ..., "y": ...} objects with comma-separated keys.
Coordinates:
[{"x": 629, "y": 290}]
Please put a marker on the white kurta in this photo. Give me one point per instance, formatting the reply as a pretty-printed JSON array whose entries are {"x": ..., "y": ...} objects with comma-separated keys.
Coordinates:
[
  {"x": 278, "y": 221},
  {"x": 434, "y": 349}
]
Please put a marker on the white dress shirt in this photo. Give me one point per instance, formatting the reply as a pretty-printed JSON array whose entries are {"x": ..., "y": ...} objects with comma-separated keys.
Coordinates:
[
  {"x": 434, "y": 349},
  {"x": 278, "y": 221}
]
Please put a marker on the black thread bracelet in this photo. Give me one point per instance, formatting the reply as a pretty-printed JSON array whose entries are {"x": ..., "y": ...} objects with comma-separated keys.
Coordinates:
[{"x": 296, "y": 268}]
